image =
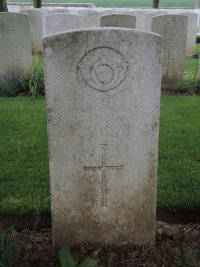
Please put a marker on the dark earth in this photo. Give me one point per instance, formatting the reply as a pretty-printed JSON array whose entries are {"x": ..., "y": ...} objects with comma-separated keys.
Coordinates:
[{"x": 177, "y": 243}]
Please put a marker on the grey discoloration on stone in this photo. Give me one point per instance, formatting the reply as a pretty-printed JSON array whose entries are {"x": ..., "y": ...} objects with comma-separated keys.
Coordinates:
[
  {"x": 15, "y": 44},
  {"x": 118, "y": 20},
  {"x": 56, "y": 23},
  {"x": 174, "y": 30},
  {"x": 103, "y": 134}
]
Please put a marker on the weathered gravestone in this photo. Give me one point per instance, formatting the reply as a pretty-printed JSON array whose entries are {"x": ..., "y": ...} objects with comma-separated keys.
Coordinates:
[
  {"x": 149, "y": 16},
  {"x": 174, "y": 30},
  {"x": 91, "y": 17},
  {"x": 59, "y": 10},
  {"x": 15, "y": 44},
  {"x": 103, "y": 94},
  {"x": 56, "y": 23},
  {"x": 118, "y": 20},
  {"x": 36, "y": 20},
  {"x": 191, "y": 32}
]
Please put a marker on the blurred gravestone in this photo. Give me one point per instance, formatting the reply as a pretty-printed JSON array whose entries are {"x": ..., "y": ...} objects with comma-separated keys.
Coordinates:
[
  {"x": 56, "y": 23},
  {"x": 118, "y": 20},
  {"x": 174, "y": 30},
  {"x": 15, "y": 44},
  {"x": 37, "y": 20}
]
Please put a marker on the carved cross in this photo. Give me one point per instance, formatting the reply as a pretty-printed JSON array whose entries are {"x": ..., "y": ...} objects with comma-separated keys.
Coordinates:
[{"x": 104, "y": 167}]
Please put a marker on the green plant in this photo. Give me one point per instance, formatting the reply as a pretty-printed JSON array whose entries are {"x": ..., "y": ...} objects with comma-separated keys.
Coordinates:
[
  {"x": 67, "y": 260},
  {"x": 7, "y": 248},
  {"x": 33, "y": 84},
  {"x": 190, "y": 258},
  {"x": 9, "y": 84}
]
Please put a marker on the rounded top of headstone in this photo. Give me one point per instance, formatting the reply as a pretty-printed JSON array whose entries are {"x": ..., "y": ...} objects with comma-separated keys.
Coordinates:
[{"x": 104, "y": 30}]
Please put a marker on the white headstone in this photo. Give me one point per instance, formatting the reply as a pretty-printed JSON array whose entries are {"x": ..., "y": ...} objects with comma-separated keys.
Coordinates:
[
  {"x": 118, "y": 20},
  {"x": 174, "y": 30},
  {"x": 59, "y": 10},
  {"x": 36, "y": 19},
  {"x": 149, "y": 16},
  {"x": 56, "y": 23},
  {"x": 191, "y": 32},
  {"x": 15, "y": 44},
  {"x": 103, "y": 94},
  {"x": 92, "y": 18}
]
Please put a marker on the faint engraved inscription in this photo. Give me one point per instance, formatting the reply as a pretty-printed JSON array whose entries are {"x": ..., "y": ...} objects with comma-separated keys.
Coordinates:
[
  {"x": 104, "y": 168},
  {"x": 102, "y": 69}
]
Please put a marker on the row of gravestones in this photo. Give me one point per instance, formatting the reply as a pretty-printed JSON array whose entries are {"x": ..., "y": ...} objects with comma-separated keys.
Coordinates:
[
  {"x": 15, "y": 47},
  {"x": 42, "y": 23}
]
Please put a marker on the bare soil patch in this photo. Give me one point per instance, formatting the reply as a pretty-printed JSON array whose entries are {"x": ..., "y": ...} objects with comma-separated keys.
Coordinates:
[{"x": 176, "y": 245}]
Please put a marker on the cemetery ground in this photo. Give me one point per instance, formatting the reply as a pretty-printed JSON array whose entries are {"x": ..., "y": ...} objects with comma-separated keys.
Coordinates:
[{"x": 25, "y": 194}]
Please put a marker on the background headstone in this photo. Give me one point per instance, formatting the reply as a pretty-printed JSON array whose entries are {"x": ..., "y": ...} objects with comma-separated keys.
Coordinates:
[
  {"x": 174, "y": 30},
  {"x": 36, "y": 20},
  {"x": 15, "y": 44},
  {"x": 148, "y": 18},
  {"x": 92, "y": 18},
  {"x": 56, "y": 23},
  {"x": 118, "y": 20},
  {"x": 103, "y": 134},
  {"x": 191, "y": 32},
  {"x": 59, "y": 10}
]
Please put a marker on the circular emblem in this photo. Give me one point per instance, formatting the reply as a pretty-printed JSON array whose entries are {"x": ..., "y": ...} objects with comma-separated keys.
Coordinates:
[{"x": 102, "y": 69}]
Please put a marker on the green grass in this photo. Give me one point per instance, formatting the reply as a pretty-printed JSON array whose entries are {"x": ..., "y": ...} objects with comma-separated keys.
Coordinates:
[
  {"x": 191, "y": 64},
  {"x": 123, "y": 3},
  {"x": 179, "y": 153},
  {"x": 24, "y": 176}
]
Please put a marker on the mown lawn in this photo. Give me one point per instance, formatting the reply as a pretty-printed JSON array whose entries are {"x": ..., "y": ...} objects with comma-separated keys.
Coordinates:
[
  {"x": 24, "y": 176},
  {"x": 124, "y": 3}
]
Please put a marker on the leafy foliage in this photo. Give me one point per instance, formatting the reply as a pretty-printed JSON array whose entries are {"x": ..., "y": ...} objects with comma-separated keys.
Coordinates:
[
  {"x": 67, "y": 260},
  {"x": 32, "y": 85}
]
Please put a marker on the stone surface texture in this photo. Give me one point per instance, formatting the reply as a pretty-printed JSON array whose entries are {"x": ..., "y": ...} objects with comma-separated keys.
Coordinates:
[
  {"x": 148, "y": 18},
  {"x": 91, "y": 18},
  {"x": 15, "y": 44},
  {"x": 36, "y": 20},
  {"x": 103, "y": 95},
  {"x": 56, "y": 23},
  {"x": 173, "y": 28},
  {"x": 59, "y": 10},
  {"x": 118, "y": 20},
  {"x": 191, "y": 32}
]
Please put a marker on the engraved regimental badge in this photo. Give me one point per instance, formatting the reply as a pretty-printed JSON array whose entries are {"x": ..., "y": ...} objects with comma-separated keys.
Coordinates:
[{"x": 102, "y": 69}]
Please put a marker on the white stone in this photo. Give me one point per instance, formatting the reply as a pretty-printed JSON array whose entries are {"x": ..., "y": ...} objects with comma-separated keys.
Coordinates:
[
  {"x": 174, "y": 30},
  {"x": 59, "y": 10},
  {"x": 92, "y": 18},
  {"x": 36, "y": 20},
  {"x": 148, "y": 18},
  {"x": 191, "y": 32},
  {"x": 15, "y": 44},
  {"x": 118, "y": 20},
  {"x": 56, "y": 23},
  {"x": 103, "y": 94}
]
